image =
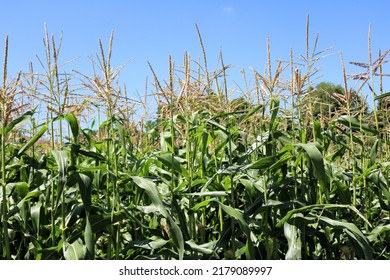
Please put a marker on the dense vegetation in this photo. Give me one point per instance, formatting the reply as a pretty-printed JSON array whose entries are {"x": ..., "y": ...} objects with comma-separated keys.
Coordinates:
[{"x": 278, "y": 172}]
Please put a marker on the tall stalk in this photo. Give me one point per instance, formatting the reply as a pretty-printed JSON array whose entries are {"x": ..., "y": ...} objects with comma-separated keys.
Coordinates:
[
  {"x": 108, "y": 94},
  {"x": 351, "y": 141},
  {"x": 4, "y": 116},
  {"x": 8, "y": 96}
]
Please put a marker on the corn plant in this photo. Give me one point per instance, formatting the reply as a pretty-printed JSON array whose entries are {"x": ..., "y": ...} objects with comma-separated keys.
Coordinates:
[{"x": 258, "y": 176}]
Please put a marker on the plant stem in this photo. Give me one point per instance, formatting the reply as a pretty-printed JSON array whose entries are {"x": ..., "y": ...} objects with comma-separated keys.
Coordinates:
[{"x": 4, "y": 209}]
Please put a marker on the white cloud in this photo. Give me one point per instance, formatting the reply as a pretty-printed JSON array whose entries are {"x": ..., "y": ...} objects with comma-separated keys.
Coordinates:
[{"x": 228, "y": 9}]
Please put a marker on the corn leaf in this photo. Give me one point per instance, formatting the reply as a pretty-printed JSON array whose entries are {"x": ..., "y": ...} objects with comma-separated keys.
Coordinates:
[
  {"x": 74, "y": 126},
  {"x": 243, "y": 225},
  {"x": 318, "y": 162},
  {"x": 75, "y": 250},
  {"x": 293, "y": 236},
  {"x": 384, "y": 95},
  {"x": 356, "y": 236},
  {"x": 356, "y": 125},
  {"x": 18, "y": 122},
  {"x": 151, "y": 190},
  {"x": 33, "y": 140}
]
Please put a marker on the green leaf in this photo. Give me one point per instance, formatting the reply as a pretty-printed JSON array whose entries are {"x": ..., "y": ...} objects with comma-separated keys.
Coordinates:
[
  {"x": 36, "y": 216},
  {"x": 85, "y": 187},
  {"x": 89, "y": 240},
  {"x": 154, "y": 243},
  {"x": 33, "y": 140},
  {"x": 61, "y": 157},
  {"x": 262, "y": 163},
  {"x": 380, "y": 187},
  {"x": 356, "y": 236},
  {"x": 293, "y": 236},
  {"x": 75, "y": 250},
  {"x": 151, "y": 190},
  {"x": 317, "y": 130},
  {"x": 18, "y": 122},
  {"x": 206, "y": 248},
  {"x": 317, "y": 161},
  {"x": 100, "y": 221},
  {"x": 217, "y": 125},
  {"x": 236, "y": 214},
  {"x": 251, "y": 112},
  {"x": 172, "y": 162},
  {"x": 28, "y": 197},
  {"x": 82, "y": 168},
  {"x": 202, "y": 204},
  {"x": 91, "y": 154},
  {"x": 387, "y": 94},
  {"x": 356, "y": 125},
  {"x": 148, "y": 209},
  {"x": 74, "y": 215},
  {"x": 374, "y": 151},
  {"x": 260, "y": 141},
  {"x": 74, "y": 126},
  {"x": 321, "y": 207},
  {"x": 21, "y": 188},
  {"x": 373, "y": 236},
  {"x": 150, "y": 187},
  {"x": 275, "y": 102},
  {"x": 213, "y": 194}
]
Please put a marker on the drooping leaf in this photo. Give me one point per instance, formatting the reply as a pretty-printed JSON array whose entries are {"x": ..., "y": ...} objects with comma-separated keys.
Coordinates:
[
  {"x": 243, "y": 225},
  {"x": 206, "y": 248},
  {"x": 384, "y": 95},
  {"x": 356, "y": 236},
  {"x": 356, "y": 125},
  {"x": 377, "y": 231},
  {"x": 293, "y": 236},
  {"x": 153, "y": 243},
  {"x": 317, "y": 161},
  {"x": 201, "y": 204},
  {"x": 28, "y": 197},
  {"x": 18, "y": 122},
  {"x": 172, "y": 162},
  {"x": 33, "y": 140},
  {"x": 74, "y": 126},
  {"x": 21, "y": 188},
  {"x": 262, "y": 163},
  {"x": 75, "y": 250},
  {"x": 217, "y": 125},
  {"x": 61, "y": 158},
  {"x": 251, "y": 112},
  {"x": 151, "y": 190},
  {"x": 320, "y": 207}
]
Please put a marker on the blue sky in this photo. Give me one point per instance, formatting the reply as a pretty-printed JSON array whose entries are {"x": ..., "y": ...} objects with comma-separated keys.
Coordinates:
[{"x": 152, "y": 30}]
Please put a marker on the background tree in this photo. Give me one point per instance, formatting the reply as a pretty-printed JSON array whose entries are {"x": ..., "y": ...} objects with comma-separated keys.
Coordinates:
[
  {"x": 324, "y": 101},
  {"x": 329, "y": 100}
]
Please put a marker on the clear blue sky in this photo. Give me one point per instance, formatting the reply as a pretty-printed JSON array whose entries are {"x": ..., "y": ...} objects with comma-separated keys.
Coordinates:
[{"x": 151, "y": 30}]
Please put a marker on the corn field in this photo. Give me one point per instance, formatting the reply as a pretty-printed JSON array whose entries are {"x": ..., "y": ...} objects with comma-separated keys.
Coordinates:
[{"x": 212, "y": 176}]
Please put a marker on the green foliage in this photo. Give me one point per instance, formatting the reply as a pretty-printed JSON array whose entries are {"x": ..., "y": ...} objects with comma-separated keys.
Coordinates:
[
  {"x": 324, "y": 98},
  {"x": 209, "y": 179}
]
